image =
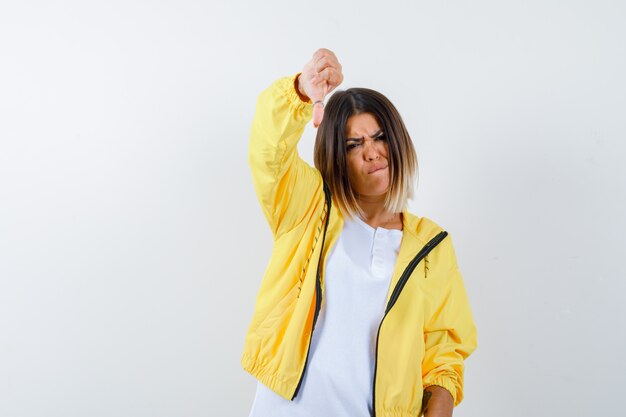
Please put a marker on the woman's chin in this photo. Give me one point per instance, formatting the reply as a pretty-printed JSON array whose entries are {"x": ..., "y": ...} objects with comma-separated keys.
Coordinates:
[{"x": 374, "y": 193}]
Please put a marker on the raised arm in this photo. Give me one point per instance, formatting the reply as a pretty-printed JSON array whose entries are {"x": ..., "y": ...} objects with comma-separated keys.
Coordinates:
[{"x": 284, "y": 183}]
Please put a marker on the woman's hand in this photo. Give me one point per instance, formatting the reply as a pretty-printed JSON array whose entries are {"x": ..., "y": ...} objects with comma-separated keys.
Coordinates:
[
  {"x": 320, "y": 76},
  {"x": 437, "y": 402}
]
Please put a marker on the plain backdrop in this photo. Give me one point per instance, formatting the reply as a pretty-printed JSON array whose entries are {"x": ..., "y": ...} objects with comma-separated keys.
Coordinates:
[{"x": 132, "y": 244}]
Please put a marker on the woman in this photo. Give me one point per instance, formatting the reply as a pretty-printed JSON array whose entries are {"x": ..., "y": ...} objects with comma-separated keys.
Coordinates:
[{"x": 362, "y": 310}]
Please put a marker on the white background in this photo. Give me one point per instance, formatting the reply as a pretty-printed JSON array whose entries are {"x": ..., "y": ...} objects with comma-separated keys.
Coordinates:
[{"x": 132, "y": 244}]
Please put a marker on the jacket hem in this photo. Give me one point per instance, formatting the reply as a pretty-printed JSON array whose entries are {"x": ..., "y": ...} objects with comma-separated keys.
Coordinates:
[{"x": 283, "y": 387}]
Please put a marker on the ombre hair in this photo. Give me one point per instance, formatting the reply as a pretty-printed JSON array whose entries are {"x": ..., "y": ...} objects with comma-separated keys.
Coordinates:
[{"x": 330, "y": 154}]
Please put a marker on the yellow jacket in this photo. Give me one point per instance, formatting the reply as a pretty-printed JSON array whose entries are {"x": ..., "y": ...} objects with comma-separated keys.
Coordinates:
[{"x": 427, "y": 330}]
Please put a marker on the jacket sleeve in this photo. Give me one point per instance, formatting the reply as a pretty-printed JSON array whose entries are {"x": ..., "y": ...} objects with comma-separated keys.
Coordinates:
[
  {"x": 284, "y": 183},
  {"x": 450, "y": 335}
]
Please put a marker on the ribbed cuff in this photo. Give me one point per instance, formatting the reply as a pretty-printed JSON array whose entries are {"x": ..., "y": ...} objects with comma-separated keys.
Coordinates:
[
  {"x": 292, "y": 95},
  {"x": 448, "y": 385}
]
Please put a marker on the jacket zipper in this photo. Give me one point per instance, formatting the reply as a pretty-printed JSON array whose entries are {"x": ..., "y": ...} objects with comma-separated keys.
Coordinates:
[
  {"x": 318, "y": 289},
  {"x": 396, "y": 294}
]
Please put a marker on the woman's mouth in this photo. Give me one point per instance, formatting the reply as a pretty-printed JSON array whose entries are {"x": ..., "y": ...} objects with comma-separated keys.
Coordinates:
[{"x": 376, "y": 168}]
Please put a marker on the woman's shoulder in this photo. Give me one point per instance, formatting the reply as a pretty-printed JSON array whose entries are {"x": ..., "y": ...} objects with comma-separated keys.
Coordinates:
[{"x": 425, "y": 229}]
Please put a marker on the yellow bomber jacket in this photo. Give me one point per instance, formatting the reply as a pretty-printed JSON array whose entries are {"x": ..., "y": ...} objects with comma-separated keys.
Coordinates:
[{"x": 427, "y": 330}]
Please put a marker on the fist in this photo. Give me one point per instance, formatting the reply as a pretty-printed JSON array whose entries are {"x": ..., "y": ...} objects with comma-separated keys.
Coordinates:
[{"x": 320, "y": 76}]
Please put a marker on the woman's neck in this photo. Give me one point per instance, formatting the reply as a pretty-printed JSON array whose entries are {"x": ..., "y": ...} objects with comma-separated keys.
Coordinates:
[{"x": 376, "y": 215}]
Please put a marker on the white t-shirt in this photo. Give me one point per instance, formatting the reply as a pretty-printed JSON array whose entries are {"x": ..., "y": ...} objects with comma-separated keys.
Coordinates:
[{"x": 339, "y": 375}]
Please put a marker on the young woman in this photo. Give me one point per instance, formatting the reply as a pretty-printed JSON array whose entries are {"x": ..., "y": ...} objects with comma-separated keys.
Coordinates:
[{"x": 362, "y": 310}]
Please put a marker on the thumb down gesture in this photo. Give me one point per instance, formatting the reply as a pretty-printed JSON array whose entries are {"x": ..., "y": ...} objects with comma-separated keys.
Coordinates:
[{"x": 319, "y": 77}]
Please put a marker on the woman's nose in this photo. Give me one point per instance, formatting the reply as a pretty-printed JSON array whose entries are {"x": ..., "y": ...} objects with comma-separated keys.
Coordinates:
[{"x": 371, "y": 151}]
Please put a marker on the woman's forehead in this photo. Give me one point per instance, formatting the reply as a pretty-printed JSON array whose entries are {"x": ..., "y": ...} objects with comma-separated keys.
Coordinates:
[{"x": 362, "y": 125}]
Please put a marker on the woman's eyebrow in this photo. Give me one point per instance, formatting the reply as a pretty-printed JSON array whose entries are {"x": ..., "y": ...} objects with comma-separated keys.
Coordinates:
[{"x": 380, "y": 132}]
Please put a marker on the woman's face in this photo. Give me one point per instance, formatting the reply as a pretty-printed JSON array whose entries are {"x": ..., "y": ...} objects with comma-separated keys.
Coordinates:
[{"x": 368, "y": 169}]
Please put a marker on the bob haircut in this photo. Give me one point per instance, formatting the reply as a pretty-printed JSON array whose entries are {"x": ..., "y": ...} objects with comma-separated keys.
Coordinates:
[{"x": 331, "y": 149}]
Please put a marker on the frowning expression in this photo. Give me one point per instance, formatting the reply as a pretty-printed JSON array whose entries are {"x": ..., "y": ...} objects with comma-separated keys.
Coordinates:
[{"x": 366, "y": 148}]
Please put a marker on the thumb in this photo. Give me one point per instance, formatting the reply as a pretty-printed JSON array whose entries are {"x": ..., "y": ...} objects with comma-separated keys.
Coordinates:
[
  {"x": 318, "y": 106},
  {"x": 318, "y": 112}
]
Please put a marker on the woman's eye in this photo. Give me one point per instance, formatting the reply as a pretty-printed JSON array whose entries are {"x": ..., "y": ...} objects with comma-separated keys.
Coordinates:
[
  {"x": 352, "y": 146},
  {"x": 381, "y": 137}
]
